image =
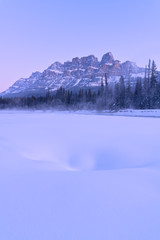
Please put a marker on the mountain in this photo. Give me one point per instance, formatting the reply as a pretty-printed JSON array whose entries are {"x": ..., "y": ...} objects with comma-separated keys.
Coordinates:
[{"x": 79, "y": 73}]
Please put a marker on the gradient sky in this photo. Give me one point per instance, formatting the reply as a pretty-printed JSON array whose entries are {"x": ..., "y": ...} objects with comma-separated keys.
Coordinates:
[{"x": 36, "y": 33}]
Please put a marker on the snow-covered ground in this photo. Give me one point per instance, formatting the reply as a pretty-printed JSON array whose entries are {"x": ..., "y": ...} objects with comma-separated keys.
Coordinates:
[
  {"x": 75, "y": 176},
  {"x": 135, "y": 113},
  {"x": 126, "y": 112}
]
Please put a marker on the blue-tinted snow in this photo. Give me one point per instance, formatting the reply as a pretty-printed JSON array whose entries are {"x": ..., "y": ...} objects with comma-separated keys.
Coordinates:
[{"x": 75, "y": 176}]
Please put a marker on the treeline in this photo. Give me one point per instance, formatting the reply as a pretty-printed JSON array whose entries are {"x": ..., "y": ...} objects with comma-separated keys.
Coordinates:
[{"x": 145, "y": 94}]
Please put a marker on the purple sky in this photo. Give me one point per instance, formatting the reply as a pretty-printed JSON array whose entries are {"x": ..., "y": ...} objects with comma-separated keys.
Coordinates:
[{"x": 35, "y": 33}]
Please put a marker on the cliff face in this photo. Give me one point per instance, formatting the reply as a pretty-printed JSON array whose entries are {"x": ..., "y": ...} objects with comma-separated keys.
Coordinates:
[{"x": 78, "y": 73}]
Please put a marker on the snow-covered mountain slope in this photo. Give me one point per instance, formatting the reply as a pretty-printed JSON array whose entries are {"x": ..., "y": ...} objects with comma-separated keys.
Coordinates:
[{"x": 79, "y": 73}]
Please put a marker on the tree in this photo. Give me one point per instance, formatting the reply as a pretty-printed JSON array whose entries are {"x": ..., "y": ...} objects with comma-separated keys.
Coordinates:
[
  {"x": 116, "y": 96},
  {"x": 146, "y": 90},
  {"x": 138, "y": 94},
  {"x": 106, "y": 80},
  {"x": 121, "y": 92},
  {"x": 149, "y": 70},
  {"x": 153, "y": 75},
  {"x": 102, "y": 87},
  {"x": 128, "y": 95}
]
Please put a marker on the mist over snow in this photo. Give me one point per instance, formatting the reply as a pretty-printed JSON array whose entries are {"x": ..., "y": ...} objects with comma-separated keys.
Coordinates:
[{"x": 77, "y": 176}]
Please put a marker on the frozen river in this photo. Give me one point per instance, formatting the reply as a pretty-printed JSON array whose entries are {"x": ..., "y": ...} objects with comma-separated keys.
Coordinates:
[{"x": 76, "y": 176}]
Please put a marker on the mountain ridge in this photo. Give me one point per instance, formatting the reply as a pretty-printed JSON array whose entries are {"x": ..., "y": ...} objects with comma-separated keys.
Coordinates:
[{"x": 78, "y": 73}]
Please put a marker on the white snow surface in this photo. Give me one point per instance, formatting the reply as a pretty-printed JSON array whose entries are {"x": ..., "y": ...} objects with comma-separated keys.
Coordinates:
[{"x": 72, "y": 176}]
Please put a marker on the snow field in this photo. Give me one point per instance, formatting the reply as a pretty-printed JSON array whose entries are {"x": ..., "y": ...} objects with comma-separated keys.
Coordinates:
[{"x": 74, "y": 176}]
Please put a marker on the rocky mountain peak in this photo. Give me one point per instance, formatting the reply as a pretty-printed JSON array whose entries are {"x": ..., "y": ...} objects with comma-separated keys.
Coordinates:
[
  {"x": 107, "y": 58},
  {"x": 76, "y": 60},
  {"x": 56, "y": 66},
  {"x": 90, "y": 60},
  {"x": 130, "y": 67}
]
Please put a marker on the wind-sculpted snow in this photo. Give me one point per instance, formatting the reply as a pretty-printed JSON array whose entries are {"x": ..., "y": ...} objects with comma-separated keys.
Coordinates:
[
  {"x": 77, "y": 176},
  {"x": 79, "y": 142}
]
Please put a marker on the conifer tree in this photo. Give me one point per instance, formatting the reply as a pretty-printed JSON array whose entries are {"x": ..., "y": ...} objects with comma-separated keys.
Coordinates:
[
  {"x": 138, "y": 94},
  {"x": 121, "y": 93}
]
